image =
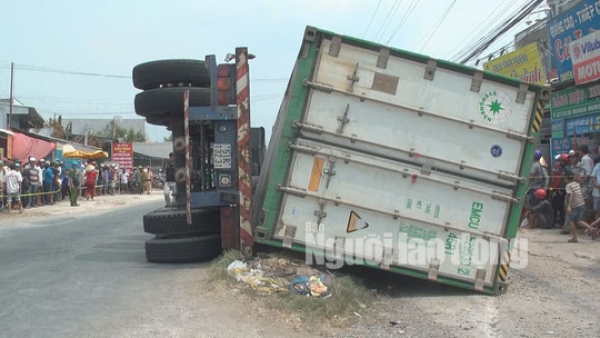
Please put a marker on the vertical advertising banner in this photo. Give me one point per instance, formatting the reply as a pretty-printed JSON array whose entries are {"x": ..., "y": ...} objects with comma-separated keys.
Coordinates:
[
  {"x": 585, "y": 57},
  {"x": 581, "y": 20},
  {"x": 524, "y": 64},
  {"x": 122, "y": 153}
]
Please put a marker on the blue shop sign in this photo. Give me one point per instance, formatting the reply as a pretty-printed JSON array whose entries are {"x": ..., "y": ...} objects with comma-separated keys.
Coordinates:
[
  {"x": 579, "y": 21},
  {"x": 582, "y": 125}
]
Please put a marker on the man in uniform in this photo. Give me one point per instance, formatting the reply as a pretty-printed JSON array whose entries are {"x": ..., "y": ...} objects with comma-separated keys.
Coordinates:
[{"x": 169, "y": 187}]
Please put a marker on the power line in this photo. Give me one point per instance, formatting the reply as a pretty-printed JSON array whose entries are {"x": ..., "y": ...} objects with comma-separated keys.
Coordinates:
[
  {"x": 523, "y": 13},
  {"x": 474, "y": 32},
  {"x": 433, "y": 28},
  {"x": 439, "y": 24},
  {"x": 386, "y": 19},
  {"x": 390, "y": 21},
  {"x": 371, "y": 21},
  {"x": 72, "y": 72},
  {"x": 403, "y": 20}
]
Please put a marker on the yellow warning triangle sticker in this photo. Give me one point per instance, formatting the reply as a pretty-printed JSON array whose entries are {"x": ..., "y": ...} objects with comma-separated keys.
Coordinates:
[{"x": 356, "y": 223}]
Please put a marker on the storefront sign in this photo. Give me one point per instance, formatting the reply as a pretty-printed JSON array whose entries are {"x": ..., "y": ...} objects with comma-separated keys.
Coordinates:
[
  {"x": 582, "y": 125},
  {"x": 122, "y": 153},
  {"x": 524, "y": 64},
  {"x": 579, "y": 21},
  {"x": 558, "y": 129},
  {"x": 559, "y": 146},
  {"x": 575, "y": 102},
  {"x": 585, "y": 57}
]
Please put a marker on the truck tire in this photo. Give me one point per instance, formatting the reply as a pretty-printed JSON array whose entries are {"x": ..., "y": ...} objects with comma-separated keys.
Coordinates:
[
  {"x": 173, "y": 222},
  {"x": 183, "y": 250},
  {"x": 159, "y": 120},
  {"x": 169, "y": 101},
  {"x": 153, "y": 74}
]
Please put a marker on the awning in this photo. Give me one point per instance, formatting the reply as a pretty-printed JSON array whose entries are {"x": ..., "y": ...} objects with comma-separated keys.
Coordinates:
[
  {"x": 70, "y": 152},
  {"x": 24, "y": 146}
]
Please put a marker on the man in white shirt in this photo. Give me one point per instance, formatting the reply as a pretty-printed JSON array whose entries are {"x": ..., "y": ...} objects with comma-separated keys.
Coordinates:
[
  {"x": 124, "y": 180},
  {"x": 13, "y": 187},
  {"x": 587, "y": 186}
]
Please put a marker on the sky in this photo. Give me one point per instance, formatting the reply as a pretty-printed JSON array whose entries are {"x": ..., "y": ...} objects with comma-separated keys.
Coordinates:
[{"x": 48, "y": 41}]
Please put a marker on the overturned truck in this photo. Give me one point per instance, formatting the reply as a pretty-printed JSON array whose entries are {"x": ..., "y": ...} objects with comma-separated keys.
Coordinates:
[{"x": 378, "y": 157}]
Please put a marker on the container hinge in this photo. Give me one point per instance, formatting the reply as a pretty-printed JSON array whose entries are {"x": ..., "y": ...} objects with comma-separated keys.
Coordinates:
[
  {"x": 522, "y": 93},
  {"x": 353, "y": 78},
  {"x": 386, "y": 260},
  {"x": 310, "y": 34},
  {"x": 307, "y": 127},
  {"x": 343, "y": 120},
  {"x": 318, "y": 86},
  {"x": 299, "y": 192},
  {"x": 505, "y": 175},
  {"x": 479, "y": 279},
  {"x": 347, "y": 159},
  {"x": 476, "y": 81},
  {"x": 320, "y": 214},
  {"x": 456, "y": 185},
  {"x": 384, "y": 56},
  {"x": 334, "y": 47},
  {"x": 426, "y": 169},
  {"x": 513, "y": 135},
  {"x": 288, "y": 236},
  {"x": 338, "y": 200},
  {"x": 434, "y": 268},
  {"x": 430, "y": 69},
  {"x": 496, "y": 195},
  {"x": 339, "y": 247},
  {"x": 396, "y": 214},
  {"x": 406, "y": 173}
]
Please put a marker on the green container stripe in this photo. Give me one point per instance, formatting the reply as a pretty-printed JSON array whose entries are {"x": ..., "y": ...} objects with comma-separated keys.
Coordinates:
[
  {"x": 399, "y": 270},
  {"x": 280, "y": 164},
  {"x": 424, "y": 58}
]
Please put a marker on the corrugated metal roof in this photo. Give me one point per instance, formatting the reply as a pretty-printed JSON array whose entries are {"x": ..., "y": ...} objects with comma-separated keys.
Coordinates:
[{"x": 153, "y": 150}]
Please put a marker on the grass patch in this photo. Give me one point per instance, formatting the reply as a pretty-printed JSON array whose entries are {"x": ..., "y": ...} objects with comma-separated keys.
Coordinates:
[{"x": 349, "y": 295}]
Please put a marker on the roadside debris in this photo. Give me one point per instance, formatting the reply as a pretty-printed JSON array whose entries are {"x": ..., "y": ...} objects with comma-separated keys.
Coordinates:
[{"x": 279, "y": 275}]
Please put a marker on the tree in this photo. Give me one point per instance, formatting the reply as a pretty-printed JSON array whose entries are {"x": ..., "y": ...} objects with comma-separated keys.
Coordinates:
[
  {"x": 169, "y": 138},
  {"x": 113, "y": 130}
]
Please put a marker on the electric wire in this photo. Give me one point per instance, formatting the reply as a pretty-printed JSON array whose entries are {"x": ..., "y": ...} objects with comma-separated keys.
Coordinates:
[
  {"x": 389, "y": 22},
  {"x": 438, "y": 25},
  {"x": 474, "y": 33},
  {"x": 507, "y": 26},
  {"x": 372, "y": 17},
  {"x": 385, "y": 20},
  {"x": 403, "y": 20}
]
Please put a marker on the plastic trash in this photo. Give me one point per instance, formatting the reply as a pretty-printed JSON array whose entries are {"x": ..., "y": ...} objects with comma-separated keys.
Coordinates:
[{"x": 310, "y": 287}]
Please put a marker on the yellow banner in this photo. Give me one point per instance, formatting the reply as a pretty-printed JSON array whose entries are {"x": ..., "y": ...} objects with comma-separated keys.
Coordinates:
[{"x": 524, "y": 64}]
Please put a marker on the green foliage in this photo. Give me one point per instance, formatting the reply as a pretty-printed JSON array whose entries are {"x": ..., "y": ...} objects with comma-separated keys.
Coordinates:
[{"x": 113, "y": 130}]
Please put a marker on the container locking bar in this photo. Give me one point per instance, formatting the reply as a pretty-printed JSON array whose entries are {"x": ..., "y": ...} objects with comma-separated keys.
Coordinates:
[
  {"x": 425, "y": 172},
  {"x": 394, "y": 214},
  {"x": 353, "y": 139},
  {"x": 419, "y": 111}
]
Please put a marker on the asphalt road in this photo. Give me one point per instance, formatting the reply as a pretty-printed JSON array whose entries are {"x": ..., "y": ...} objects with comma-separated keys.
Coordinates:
[{"x": 82, "y": 277}]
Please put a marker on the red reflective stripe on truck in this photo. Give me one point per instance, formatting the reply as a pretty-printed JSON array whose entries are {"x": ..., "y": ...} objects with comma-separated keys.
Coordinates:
[
  {"x": 244, "y": 159},
  {"x": 186, "y": 115}
]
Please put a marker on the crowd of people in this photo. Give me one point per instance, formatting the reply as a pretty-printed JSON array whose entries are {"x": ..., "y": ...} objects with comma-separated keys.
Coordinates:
[
  {"x": 39, "y": 183},
  {"x": 568, "y": 198}
]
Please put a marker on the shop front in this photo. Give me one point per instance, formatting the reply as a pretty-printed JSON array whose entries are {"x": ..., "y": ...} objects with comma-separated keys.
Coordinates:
[
  {"x": 6, "y": 143},
  {"x": 575, "y": 119}
]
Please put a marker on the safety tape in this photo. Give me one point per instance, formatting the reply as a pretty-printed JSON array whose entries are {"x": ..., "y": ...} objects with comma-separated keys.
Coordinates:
[
  {"x": 503, "y": 271},
  {"x": 47, "y": 192},
  {"x": 537, "y": 121}
]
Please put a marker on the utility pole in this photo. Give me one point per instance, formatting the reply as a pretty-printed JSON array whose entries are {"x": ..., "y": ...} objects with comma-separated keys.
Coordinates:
[{"x": 10, "y": 104}]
